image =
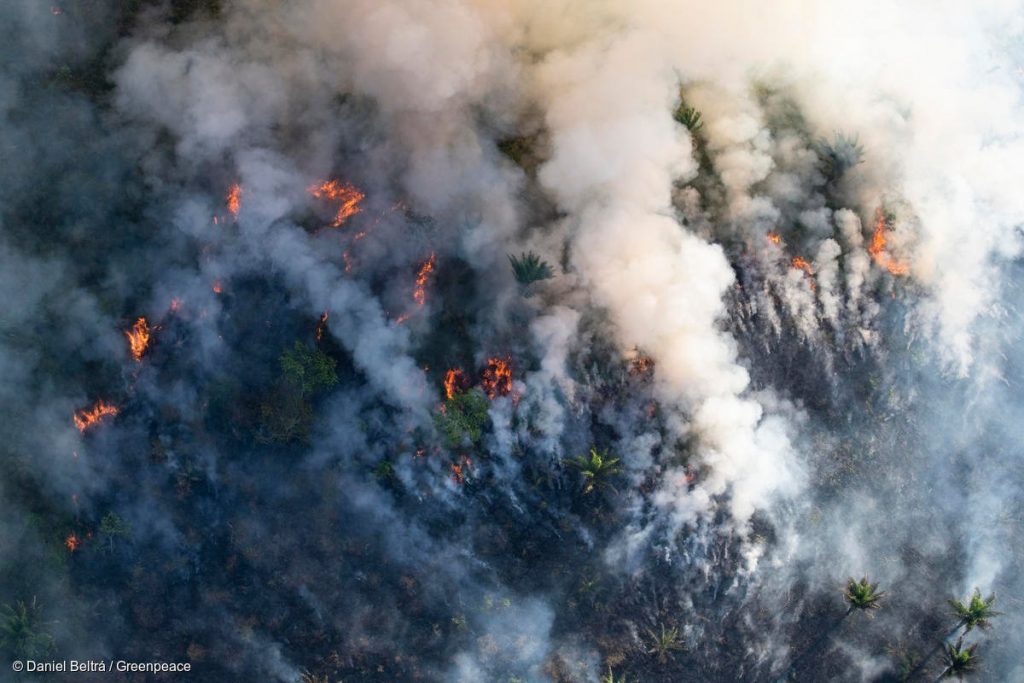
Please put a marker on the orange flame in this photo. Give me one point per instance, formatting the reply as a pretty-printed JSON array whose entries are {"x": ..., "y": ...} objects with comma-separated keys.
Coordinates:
[
  {"x": 348, "y": 196},
  {"x": 234, "y": 199},
  {"x": 321, "y": 326},
  {"x": 774, "y": 238},
  {"x": 87, "y": 417},
  {"x": 419, "y": 293},
  {"x": 496, "y": 379},
  {"x": 460, "y": 469},
  {"x": 72, "y": 542},
  {"x": 877, "y": 248},
  {"x": 454, "y": 381},
  {"x": 217, "y": 287},
  {"x": 800, "y": 263},
  {"x": 138, "y": 338}
]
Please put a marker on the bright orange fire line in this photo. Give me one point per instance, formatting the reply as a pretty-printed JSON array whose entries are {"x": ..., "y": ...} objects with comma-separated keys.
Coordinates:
[
  {"x": 347, "y": 194},
  {"x": 878, "y": 252},
  {"x": 452, "y": 381},
  {"x": 138, "y": 338},
  {"x": 87, "y": 417},
  {"x": 234, "y": 199},
  {"x": 419, "y": 293}
]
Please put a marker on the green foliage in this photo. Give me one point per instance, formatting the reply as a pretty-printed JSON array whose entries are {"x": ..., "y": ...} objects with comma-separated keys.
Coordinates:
[
  {"x": 689, "y": 117},
  {"x": 959, "y": 660},
  {"x": 977, "y": 611},
  {"x": 308, "y": 369},
  {"x": 529, "y": 268},
  {"x": 596, "y": 469},
  {"x": 863, "y": 594},
  {"x": 384, "y": 470},
  {"x": 22, "y": 632},
  {"x": 112, "y": 526},
  {"x": 462, "y": 417},
  {"x": 664, "y": 643},
  {"x": 840, "y": 155},
  {"x": 286, "y": 414},
  {"x": 524, "y": 150}
]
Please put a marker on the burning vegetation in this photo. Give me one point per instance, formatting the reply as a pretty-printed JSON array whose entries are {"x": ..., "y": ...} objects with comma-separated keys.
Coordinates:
[
  {"x": 496, "y": 378},
  {"x": 346, "y": 197},
  {"x": 454, "y": 382},
  {"x": 90, "y": 417},
  {"x": 419, "y": 292},
  {"x": 233, "y": 201},
  {"x": 138, "y": 338},
  {"x": 877, "y": 248},
  {"x": 364, "y": 505}
]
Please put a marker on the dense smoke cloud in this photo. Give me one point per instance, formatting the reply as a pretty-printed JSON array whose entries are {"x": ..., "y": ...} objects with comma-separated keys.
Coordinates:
[{"x": 510, "y": 341}]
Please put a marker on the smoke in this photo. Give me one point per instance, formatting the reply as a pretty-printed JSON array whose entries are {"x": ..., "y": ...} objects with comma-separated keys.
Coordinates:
[{"x": 770, "y": 339}]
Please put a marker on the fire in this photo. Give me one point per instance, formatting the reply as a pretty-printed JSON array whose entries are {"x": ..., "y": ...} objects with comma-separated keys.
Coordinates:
[
  {"x": 800, "y": 263},
  {"x": 87, "y": 417},
  {"x": 175, "y": 305},
  {"x": 138, "y": 338},
  {"x": 454, "y": 382},
  {"x": 234, "y": 199},
  {"x": 321, "y": 326},
  {"x": 72, "y": 542},
  {"x": 460, "y": 469},
  {"x": 641, "y": 366},
  {"x": 347, "y": 195},
  {"x": 497, "y": 377},
  {"x": 877, "y": 248},
  {"x": 217, "y": 287},
  {"x": 774, "y": 238},
  {"x": 419, "y": 293}
]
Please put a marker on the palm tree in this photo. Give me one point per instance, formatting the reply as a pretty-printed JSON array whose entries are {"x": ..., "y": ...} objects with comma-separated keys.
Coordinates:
[
  {"x": 596, "y": 469},
  {"x": 611, "y": 678},
  {"x": 839, "y": 155},
  {"x": 975, "y": 612},
  {"x": 862, "y": 595},
  {"x": 529, "y": 268},
  {"x": 665, "y": 643},
  {"x": 21, "y": 631},
  {"x": 958, "y": 660},
  {"x": 689, "y": 117}
]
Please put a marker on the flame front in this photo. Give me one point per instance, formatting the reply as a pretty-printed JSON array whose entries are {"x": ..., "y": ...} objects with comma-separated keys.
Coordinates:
[
  {"x": 88, "y": 417},
  {"x": 138, "y": 338},
  {"x": 234, "y": 199},
  {"x": 774, "y": 238},
  {"x": 454, "y": 382},
  {"x": 497, "y": 377},
  {"x": 800, "y": 263},
  {"x": 877, "y": 248},
  {"x": 460, "y": 469},
  {"x": 347, "y": 195},
  {"x": 419, "y": 293}
]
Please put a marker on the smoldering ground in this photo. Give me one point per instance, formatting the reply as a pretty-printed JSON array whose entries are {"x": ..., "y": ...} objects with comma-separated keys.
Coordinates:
[{"x": 760, "y": 335}]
